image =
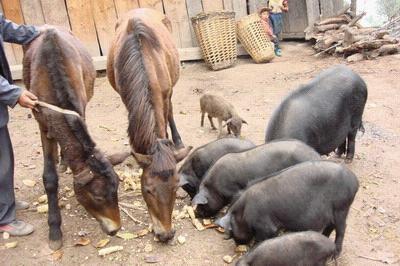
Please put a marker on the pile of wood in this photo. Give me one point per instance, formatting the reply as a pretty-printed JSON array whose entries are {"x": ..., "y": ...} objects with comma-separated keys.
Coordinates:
[
  {"x": 393, "y": 27},
  {"x": 342, "y": 35}
]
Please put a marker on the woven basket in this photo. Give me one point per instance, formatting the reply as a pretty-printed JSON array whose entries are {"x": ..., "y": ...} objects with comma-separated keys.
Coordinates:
[
  {"x": 254, "y": 38},
  {"x": 216, "y": 35}
]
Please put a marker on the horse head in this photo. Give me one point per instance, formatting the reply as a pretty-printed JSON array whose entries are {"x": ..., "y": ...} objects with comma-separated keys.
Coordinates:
[{"x": 159, "y": 182}]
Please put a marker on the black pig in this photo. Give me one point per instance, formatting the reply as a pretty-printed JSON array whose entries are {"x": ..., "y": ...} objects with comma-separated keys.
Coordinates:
[
  {"x": 309, "y": 196},
  {"x": 233, "y": 171},
  {"x": 324, "y": 113},
  {"x": 200, "y": 160}
]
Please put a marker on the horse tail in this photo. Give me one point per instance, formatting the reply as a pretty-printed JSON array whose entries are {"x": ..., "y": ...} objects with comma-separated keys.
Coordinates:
[
  {"x": 53, "y": 59},
  {"x": 134, "y": 86}
]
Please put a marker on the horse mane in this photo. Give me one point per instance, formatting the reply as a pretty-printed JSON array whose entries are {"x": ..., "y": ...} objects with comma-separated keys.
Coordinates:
[
  {"x": 53, "y": 59},
  {"x": 136, "y": 94}
]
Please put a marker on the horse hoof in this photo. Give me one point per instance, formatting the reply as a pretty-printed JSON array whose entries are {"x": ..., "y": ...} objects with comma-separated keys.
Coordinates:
[
  {"x": 62, "y": 168},
  {"x": 338, "y": 155},
  {"x": 55, "y": 244}
]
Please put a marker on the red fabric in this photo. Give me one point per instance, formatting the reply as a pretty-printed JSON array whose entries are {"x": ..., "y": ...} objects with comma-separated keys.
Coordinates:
[{"x": 267, "y": 28}]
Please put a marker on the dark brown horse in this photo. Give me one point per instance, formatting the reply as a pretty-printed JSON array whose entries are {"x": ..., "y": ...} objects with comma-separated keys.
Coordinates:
[
  {"x": 59, "y": 70},
  {"x": 143, "y": 67}
]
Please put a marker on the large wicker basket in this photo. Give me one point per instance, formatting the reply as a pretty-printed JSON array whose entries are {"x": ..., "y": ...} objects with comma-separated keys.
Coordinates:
[
  {"x": 216, "y": 34},
  {"x": 254, "y": 38}
]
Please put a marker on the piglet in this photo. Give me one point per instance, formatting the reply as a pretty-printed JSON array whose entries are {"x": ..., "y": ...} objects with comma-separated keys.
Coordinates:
[{"x": 216, "y": 106}]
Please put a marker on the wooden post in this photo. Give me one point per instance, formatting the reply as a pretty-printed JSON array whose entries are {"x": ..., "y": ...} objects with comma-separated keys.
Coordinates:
[{"x": 353, "y": 6}]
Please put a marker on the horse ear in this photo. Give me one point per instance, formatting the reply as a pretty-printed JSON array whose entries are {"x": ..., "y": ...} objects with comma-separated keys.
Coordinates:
[
  {"x": 143, "y": 160},
  {"x": 83, "y": 177},
  {"x": 224, "y": 221},
  {"x": 183, "y": 180},
  {"x": 118, "y": 158},
  {"x": 200, "y": 199},
  {"x": 182, "y": 153},
  {"x": 244, "y": 121}
]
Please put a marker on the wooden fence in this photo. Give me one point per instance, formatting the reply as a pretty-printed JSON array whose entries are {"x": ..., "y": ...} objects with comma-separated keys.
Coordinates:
[{"x": 92, "y": 21}]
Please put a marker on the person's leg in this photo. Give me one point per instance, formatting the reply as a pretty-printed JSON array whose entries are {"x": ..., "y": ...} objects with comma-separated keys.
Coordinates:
[
  {"x": 8, "y": 221},
  {"x": 276, "y": 21},
  {"x": 7, "y": 197}
]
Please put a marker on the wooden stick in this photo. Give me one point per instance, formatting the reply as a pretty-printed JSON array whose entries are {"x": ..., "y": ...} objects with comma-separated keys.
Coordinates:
[
  {"x": 133, "y": 218},
  {"x": 356, "y": 19},
  {"x": 327, "y": 49},
  {"x": 57, "y": 109},
  {"x": 375, "y": 259}
]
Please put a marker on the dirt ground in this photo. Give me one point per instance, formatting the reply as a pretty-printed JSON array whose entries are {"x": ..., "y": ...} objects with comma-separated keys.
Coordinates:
[{"x": 373, "y": 231}]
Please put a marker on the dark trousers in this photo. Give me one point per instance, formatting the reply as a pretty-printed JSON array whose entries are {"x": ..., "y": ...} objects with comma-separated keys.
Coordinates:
[
  {"x": 277, "y": 25},
  {"x": 7, "y": 197}
]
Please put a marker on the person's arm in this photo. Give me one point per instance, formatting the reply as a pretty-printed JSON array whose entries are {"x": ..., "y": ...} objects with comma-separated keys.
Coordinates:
[
  {"x": 11, "y": 95},
  {"x": 20, "y": 34},
  {"x": 285, "y": 7}
]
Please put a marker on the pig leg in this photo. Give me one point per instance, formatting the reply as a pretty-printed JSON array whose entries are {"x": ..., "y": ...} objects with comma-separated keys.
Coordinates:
[
  {"x": 220, "y": 128},
  {"x": 351, "y": 144},
  {"x": 341, "y": 150},
  {"x": 328, "y": 230},
  {"x": 340, "y": 228},
  {"x": 202, "y": 119},
  {"x": 211, "y": 122},
  {"x": 264, "y": 231}
]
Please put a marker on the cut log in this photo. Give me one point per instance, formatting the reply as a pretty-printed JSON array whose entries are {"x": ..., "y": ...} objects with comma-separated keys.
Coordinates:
[
  {"x": 365, "y": 45},
  {"x": 323, "y": 28},
  {"x": 355, "y": 58},
  {"x": 388, "y": 49},
  {"x": 334, "y": 20}
]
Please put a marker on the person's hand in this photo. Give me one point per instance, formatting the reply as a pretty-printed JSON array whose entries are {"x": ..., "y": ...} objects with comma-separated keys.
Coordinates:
[{"x": 27, "y": 99}]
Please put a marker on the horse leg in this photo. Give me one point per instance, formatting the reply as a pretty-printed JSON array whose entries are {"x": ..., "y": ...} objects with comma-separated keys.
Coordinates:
[
  {"x": 50, "y": 181},
  {"x": 176, "y": 138},
  {"x": 202, "y": 119}
]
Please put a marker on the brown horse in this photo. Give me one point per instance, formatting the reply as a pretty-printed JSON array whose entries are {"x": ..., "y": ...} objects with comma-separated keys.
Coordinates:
[
  {"x": 59, "y": 70},
  {"x": 143, "y": 67}
]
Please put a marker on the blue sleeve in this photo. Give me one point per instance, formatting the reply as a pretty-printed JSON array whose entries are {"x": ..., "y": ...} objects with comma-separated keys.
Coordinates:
[
  {"x": 20, "y": 34},
  {"x": 9, "y": 94}
]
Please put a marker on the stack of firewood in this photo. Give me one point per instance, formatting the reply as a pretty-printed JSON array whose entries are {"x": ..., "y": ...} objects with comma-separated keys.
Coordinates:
[{"x": 343, "y": 35}]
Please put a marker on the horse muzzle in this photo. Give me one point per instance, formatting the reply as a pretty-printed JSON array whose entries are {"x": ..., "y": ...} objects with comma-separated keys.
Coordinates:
[
  {"x": 109, "y": 226},
  {"x": 165, "y": 236}
]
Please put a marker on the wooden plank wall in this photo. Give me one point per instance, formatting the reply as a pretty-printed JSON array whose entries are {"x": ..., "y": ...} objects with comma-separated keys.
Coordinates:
[{"x": 92, "y": 21}]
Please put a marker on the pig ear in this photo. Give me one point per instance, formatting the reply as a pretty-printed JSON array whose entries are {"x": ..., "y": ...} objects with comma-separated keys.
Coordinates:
[
  {"x": 224, "y": 222},
  {"x": 199, "y": 199},
  {"x": 118, "y": 158},
  {"x": 143, "y": 160},
  {"x": 182, "y": 153},
  {"x": 244, "y": 121},
  {"x": 183, "y": 180}
]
